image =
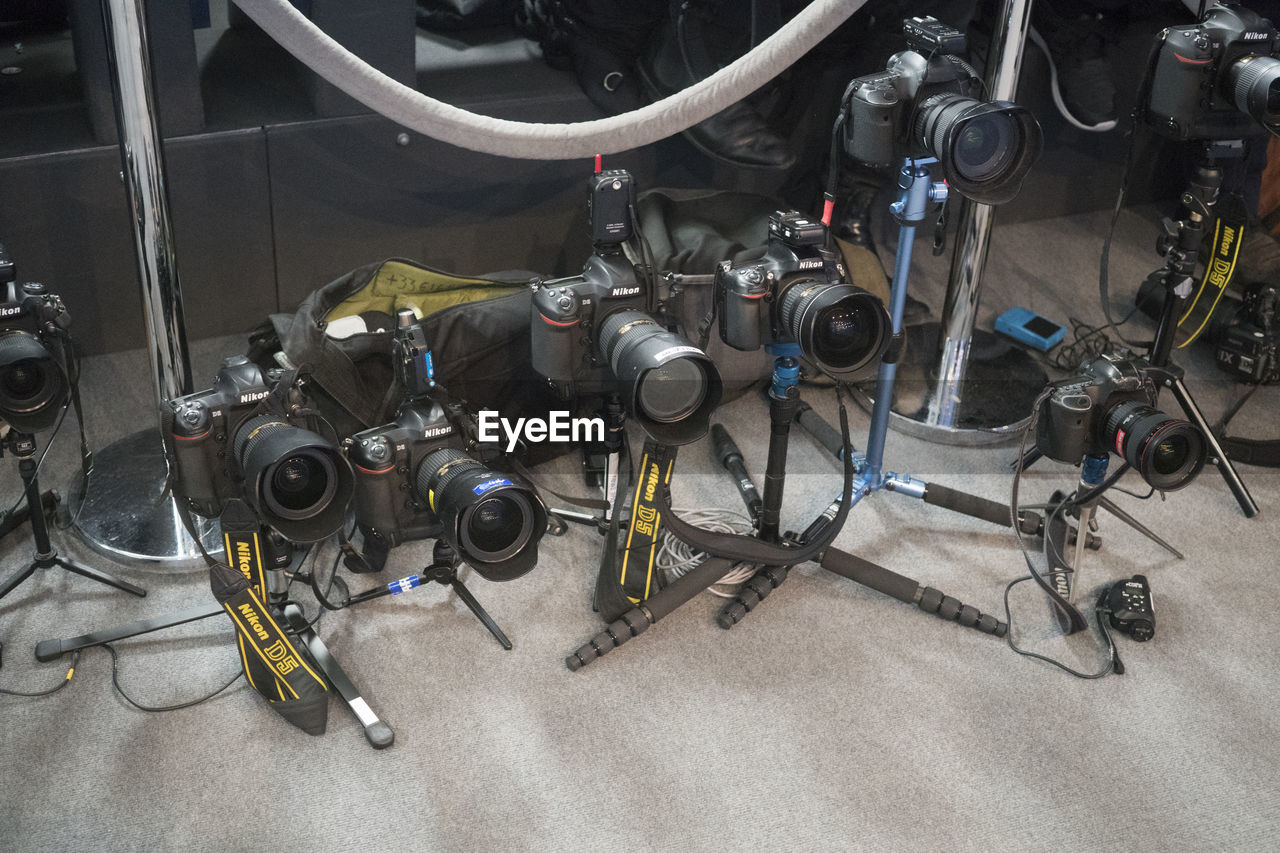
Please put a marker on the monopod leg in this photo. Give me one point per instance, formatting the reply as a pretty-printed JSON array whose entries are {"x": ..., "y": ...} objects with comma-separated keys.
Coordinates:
[{"x": 637, "y": 620}]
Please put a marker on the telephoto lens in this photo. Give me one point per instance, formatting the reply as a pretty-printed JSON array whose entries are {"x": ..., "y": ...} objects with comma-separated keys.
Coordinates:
[
  {"x": 986, "y": 148},
  {"x": 840, "y": 328},
  {"x": 492, "y": 522},
  {"x": 1254, "y": 82},
  {"x": 670, "y": 386},
  {"x": 297, "y": 482},
  {"x": 1166, "y": 451},
  {"x": 33, "y": 385}
]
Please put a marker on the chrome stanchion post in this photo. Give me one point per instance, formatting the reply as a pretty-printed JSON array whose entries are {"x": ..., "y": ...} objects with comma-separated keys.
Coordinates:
[
  {"x": 946, "y": 417},
  {"x": 125, "y": 511}
]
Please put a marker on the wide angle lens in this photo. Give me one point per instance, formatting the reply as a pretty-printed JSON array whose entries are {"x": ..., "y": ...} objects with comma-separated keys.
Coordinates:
[
  {"x": 494, "y": 523},
  {"x": 1254, "y": 84},
  {"x": 1168, "y": 452},
  {"x": 986, "y": 148},
  {"x": 670, "y": 386},
  {"x": 840, "y": 328},
  {"x": 295, "y": 480},
  {"x": 33, "y": 387}
]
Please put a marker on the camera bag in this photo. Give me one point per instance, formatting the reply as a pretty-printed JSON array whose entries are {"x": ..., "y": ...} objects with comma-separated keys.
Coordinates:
[{"x": 477, "y": 327}]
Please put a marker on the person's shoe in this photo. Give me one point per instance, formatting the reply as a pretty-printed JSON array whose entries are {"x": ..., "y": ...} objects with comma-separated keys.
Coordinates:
[
  {"x": 738, "y": 135},
  {"x": 1080, "y": 75}
]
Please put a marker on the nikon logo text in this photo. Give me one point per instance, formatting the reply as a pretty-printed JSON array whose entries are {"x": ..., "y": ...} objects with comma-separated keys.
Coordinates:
[
  {"x": 558, "y": 427},
  {"x": 251, "y": 616},
  {"x": 251, "y": 397},
  {"x": 651, "y": 484},
  {"x": 436, "y": 432},
  {"x": 244, "y": 559},
  {"x": 11, "y": 312}
]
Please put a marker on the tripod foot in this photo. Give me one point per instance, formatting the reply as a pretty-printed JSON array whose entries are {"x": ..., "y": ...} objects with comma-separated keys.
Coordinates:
[
  {"x": 633, "y": 623},
  {"x": 100, "y": 577},
  {"x": 379, "y": 735}
]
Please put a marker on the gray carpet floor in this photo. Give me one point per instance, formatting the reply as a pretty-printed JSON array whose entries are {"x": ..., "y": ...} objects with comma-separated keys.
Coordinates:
[{"x": 832, "y": 718}]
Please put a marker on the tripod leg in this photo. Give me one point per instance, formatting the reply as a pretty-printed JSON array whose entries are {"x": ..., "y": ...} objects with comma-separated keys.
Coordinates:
[
  {"x": 1247, "y": 504},
  {"x": 100, "y": 577},
  {"x": 637, "y": 620},
  {"x": 909, "y": 591},
  {"x": 378, "y": 733},
  {"x": 480, "y": 613},
  {"x": 16, "y": 579},
  {"x": 1110, "y": 506},
  {"x": 47, "y": 650}
]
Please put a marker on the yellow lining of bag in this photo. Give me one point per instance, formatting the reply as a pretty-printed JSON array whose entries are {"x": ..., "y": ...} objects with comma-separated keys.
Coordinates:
[{"x": 398, "y": 285}]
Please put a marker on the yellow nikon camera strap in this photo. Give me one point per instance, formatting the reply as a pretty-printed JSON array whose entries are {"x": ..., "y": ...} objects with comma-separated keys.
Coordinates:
[
  {"x": 1228, "y": 234},
  {"x": 638, "y": 576}
]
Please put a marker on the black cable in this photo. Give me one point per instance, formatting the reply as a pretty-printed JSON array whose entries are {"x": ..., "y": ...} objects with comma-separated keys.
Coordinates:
[
  {"x": 75, "y": 659},
  {"x": 159, "y": 709},
  {"x": 1087, "y": 343},
  {"x": 1113, "y": 658}
]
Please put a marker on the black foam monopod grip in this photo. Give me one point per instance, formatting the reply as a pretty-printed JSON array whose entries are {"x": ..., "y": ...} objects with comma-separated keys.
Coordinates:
[
  {"x": 972, "y": 505},
  {"x": 823, "y": 433},
  {"x": 870, "y": 575},
  {"x": 906, "y": 590}
]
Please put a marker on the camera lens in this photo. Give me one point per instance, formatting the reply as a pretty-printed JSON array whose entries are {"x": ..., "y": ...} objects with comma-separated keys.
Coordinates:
[
  {"x": 492, "y": 522},
  {"x": 840, "y": 328},
  {"x": 986, "y": 148},
  {"x": 1166, "y": 451},
  {"x": 296, "y": 481},
  {"x": 33, "y": 387},
  {"x": 672, "y": 392},
  {"x": 1254, "y": 83},
  {"x": 299, "y": 483},
  {"x": 668, "y": 384}
]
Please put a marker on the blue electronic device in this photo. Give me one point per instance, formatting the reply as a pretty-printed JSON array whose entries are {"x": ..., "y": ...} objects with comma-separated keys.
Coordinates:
[{"x": 1030, "y": 328}]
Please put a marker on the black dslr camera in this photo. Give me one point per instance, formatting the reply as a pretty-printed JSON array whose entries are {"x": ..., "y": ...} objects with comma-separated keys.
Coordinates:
[
  {"x": 1244, "y": 333},
  {"x": 1217, "y": 80},
  {"x": 927, "y": 104},
  {"x": 35, "y": 362},
  {"x": 595, "y": 333},
  {"x": 416, "y": 480},
  {"x": 797, "y": 294},
  {"x": 1109, "y": 406},
  {"x": 1246, "y": 336},
  {"x": 227, "y": 445}
]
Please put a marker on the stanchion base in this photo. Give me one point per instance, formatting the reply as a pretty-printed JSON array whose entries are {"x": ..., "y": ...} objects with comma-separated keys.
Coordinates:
[
  {"x": 126, "y": 513},
  {"x": 1001, "y": 384}
]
